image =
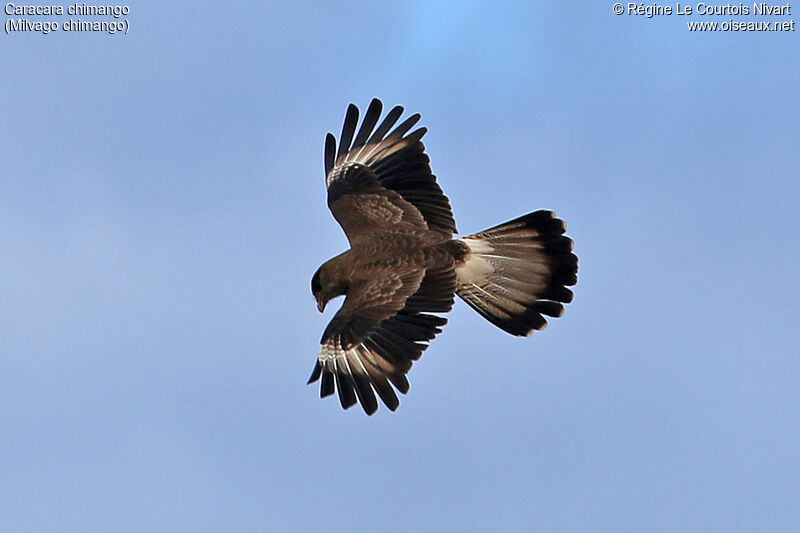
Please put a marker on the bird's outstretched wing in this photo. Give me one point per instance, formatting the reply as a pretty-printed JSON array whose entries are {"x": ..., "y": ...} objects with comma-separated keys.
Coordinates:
[
  {"x": 371, "y": 342},
  {"x": 382, "y": 181}
]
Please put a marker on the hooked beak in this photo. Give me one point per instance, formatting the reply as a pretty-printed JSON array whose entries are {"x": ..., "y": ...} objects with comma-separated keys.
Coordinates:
[{"x": 320, "y": 302}]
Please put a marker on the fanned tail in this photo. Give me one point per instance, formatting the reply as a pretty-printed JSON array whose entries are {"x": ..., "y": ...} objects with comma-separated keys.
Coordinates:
[{"x": 516, "y": 272}]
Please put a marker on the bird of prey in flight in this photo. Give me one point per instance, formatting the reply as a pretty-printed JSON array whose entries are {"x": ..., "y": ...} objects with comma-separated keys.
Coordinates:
[{"x": 404, "y": 265}]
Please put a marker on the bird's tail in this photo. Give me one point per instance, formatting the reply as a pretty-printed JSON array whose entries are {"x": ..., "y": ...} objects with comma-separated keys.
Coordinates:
[{"x": 516, "y": 272}]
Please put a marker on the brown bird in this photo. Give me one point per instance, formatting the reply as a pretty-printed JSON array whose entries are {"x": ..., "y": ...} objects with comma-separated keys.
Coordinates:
[{"x": 403, "y": 263}]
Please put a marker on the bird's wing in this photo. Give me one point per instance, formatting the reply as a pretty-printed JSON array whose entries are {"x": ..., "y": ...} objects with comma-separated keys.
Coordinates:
[
  {"x": 361, "y": 353},
  {"x": 381, "y": 180}
]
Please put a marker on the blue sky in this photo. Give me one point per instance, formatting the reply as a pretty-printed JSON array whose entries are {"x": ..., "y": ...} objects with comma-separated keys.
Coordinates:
[{"x": 162, "y": 209}]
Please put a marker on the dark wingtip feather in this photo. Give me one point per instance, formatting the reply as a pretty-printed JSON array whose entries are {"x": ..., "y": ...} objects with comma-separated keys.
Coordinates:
[
  {"x": 400, "y": 382},
  {"x": 348, "y": 129},
  {"x": 327, "y": 387},
  {"x": 367, "y": 399},
  {"x": 361, "y": 383},
  {"x": 344, "y": 386},
  {"x": 370, "y": 119},
  {"x": 416, "y": 135},
  {"x": 380, "y": 382},
  {"x": 315, "y": 373},
  {"x": 406, "y": 125},
  {"x": 390, "y": 401},
  {"x": 330, "y": 152}
]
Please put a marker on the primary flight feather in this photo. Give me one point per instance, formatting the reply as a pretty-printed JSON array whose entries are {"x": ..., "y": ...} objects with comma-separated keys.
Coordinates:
[{"x": 403, "y": 264}]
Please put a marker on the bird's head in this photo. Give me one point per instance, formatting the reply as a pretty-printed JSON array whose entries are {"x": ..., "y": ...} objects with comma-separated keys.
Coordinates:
[
  {"x": 316, "y": 290},
  {"x": 325, "y": 286}
]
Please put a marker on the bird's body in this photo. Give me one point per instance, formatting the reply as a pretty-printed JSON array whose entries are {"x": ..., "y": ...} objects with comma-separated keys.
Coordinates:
[
  {"x": 404, "y": 264},
  {"x": 399, "y": 251}
]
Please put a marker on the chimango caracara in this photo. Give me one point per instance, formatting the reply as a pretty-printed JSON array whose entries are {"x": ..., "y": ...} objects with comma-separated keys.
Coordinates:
[{"x": 403, "y": 263}]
